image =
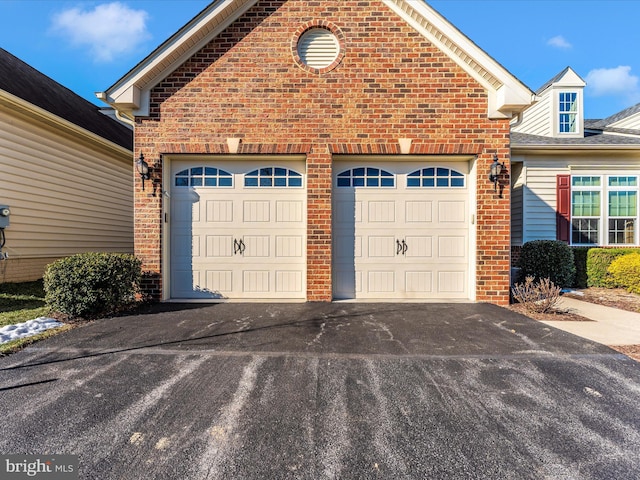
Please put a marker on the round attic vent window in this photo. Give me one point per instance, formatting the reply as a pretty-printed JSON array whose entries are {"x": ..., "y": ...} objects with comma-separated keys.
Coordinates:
[{"x": 318, "y": 48}]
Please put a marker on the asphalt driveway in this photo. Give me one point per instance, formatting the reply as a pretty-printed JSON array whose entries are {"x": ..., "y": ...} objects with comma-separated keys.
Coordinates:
[{"x": 314, "y": 391}]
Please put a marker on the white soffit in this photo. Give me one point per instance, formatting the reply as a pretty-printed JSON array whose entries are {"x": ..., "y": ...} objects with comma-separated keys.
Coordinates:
[
  {"x": 131, "y": 93},
  {"x": 507, "y": 95}
]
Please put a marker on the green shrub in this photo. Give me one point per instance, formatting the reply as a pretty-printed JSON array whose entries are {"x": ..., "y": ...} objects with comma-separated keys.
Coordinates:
[
  {"x": 580, "y": 262},
  {"x": 598, "y": 261},
  {"x": 550, "y": 259},
  {"x": 625, "y": 271},
  {"x": 91, "y": 284}
]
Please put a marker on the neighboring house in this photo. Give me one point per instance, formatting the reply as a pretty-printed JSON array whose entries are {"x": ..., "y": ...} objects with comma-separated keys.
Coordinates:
[
  {"x": 320, "y": 150},
  {"x": 573, "y": 179},
  {"x": 66, "y": 173}
]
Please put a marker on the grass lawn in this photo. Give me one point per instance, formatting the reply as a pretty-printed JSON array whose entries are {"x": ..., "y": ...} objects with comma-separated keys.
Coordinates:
[{"x": 20, "y": 302}]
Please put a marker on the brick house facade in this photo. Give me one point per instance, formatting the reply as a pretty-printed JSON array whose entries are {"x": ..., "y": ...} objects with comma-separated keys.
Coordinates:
[{"x": 391, "y": 80}]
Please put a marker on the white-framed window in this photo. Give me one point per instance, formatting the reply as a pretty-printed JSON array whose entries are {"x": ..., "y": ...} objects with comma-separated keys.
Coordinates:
[
  {"x": 604, "y": 210},
  {"x": 273, "y": 177},
  {"x": 366, "y": 177},
  {"x": 434, "y": 177},
  {"x": 203, "y": 177},
  {"x": 568, "y": 112}
]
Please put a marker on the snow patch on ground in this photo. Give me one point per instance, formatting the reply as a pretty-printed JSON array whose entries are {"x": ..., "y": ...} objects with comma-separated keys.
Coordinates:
[{"x": 27, "y": 329}]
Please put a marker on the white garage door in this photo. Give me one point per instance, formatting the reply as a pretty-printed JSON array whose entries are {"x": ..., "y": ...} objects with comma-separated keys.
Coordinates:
[
  {"x": 401, "y": 231},
  {"x": 238, "y": 230}
]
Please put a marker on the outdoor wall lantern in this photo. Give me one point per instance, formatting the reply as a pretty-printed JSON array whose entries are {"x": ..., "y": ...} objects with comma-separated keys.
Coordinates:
[
  {"x": 495, "y": 171},
  {"x": 143, "y": 169}
]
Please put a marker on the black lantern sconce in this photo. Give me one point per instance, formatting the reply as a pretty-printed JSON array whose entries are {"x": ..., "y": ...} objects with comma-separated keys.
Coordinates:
[
  {"x": 143, "y": 169},
  {"x": 495, "y": 171}
]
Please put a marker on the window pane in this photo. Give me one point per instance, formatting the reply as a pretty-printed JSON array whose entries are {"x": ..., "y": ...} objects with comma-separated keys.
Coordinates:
[
  {"x": 428, "y": 182},
  {"x": 622, "y": 204},
  {"x": 622, "y": 231},
  {"x": 584, "y": 230},
  {"x": 210, "y": 182},
  {"x": 344, "y": 182},
  {"x": 250, "y": 182},
  {"x": 623, "y": 181},
  {"x": 280, "y": 182},
  {"x": 443, "y": 182},
  {"x": 196, "y": 182},
  {"x": 225, "y": 182},
  {"x": 265, "y": 182},
  {"x": 182, "y": 182},
  {"x": 358, "y": 172},
  {"x": 457, "y": 182},
  {"x": 280, "y": 172},
  {"x": 413, "y": 182},
  {"x": 196, "y": 171},
  {"x": 388, "y": 182},
  {"x": 358, "y": 182},
  {"x": 211, "y": 171},
  {"x": 295, "y": 181},
  {"x": 585, "y": 181},
  {"x": 585, "y": 204},
  {"x": 372, "y": 182}
]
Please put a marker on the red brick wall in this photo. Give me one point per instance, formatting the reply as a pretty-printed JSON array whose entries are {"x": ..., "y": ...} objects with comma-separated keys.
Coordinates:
[{"x": 390, "y": 84}]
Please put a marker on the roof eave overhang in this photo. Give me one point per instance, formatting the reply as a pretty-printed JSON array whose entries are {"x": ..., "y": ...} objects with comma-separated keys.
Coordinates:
[
  {"x": 507, "y": 96},
  {"x": 560, "y": 149},
  {"x": 130, "y": 95}
]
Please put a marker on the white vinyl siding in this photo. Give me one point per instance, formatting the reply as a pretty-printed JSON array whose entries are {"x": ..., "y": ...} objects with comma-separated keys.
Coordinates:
[
  {"x": 539, "y": 199},
  {"x": 65, "y": 196},
  {"x": 632, "y": 122},
  {"x": 536, "y": 118}
]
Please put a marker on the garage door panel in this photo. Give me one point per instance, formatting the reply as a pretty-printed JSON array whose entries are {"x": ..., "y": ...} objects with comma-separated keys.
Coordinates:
[
  {"x": 452, "y": 247},
  {"x": 288, "y": 281},
  {"x": 381, "y": 281},
  {"x": 220, "y": 211},
  {"x": 419, "y": 212},
  {"x": 220, "y": 281},
  {"x": 289, "y": 246},
  {"x": 288, "y": 211},
  {"x": 452, "y": 212},
  {"x": 451, "y": 282},
  {"x": 218, "y": 246},
  {"x": 419, "y": 281},
  {"x": 256, "y": 246},
  {"x": 382, "y": 247},
  {"x": 257, "y": 211},
  {"x": 382, "y": 212},
  {"x": 255, "y": 281},
  {"x": 419, "y": 247}
]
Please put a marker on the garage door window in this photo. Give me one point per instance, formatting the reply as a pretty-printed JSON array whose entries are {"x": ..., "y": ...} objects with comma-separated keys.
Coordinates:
[
  {"x": 203, "y": 177},
  {"x": 435, "y": 177},
  {"x": 366, "y": 177},
  {"x": 273, "y": 177}
]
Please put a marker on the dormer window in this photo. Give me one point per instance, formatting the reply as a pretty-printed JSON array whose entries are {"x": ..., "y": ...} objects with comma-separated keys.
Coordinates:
[{"x": 568, "y": 110}]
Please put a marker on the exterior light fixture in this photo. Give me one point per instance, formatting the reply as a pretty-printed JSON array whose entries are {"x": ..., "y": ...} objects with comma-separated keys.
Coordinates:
[
  {"x": 143, "y": 169},
  {"x": 495, "y": 171}
]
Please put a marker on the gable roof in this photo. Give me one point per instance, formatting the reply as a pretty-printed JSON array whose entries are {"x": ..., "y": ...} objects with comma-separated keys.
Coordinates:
[
  {"x": 616, "y": 117},
  {"x": 570, "y": 75},
  {"x": 130, "y": 95},
  {"x": 19, "y": 80}
]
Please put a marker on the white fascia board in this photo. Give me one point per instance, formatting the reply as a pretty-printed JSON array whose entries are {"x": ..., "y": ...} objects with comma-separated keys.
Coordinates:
[
  {"x": 507, "y": 95},
  {"x": 519, "y": 149},
  {"x": 131, "y": 93}
]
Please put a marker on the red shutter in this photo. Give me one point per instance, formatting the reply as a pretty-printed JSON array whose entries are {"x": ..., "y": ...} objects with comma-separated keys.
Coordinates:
[{"x": 563, "y": 209}]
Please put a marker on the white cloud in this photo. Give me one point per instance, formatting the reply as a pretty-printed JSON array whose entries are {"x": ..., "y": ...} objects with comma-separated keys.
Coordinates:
[
  {"x": 108, "y": 30},
  {"x": 617, "y": 81},
  {"x": 559, "y": 42}
]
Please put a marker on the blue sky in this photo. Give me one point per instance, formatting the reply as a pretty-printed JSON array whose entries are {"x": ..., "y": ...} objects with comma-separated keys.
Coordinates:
[{"x": 88, "y": 45}]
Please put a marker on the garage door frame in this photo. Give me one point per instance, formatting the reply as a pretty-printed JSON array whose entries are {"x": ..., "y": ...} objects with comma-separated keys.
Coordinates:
[
  {"x": 251, "y": 162},
  {"x": 410, "y": 162}
]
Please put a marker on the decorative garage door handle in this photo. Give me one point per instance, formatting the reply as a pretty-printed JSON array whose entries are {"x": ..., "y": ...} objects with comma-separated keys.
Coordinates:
[
  {"x": 401, "y": 248},
  {"x": 238, "y": 246}
]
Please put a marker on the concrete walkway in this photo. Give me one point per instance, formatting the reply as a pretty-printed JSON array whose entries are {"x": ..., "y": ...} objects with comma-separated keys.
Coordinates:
[{"x": 610, "y": 326}]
